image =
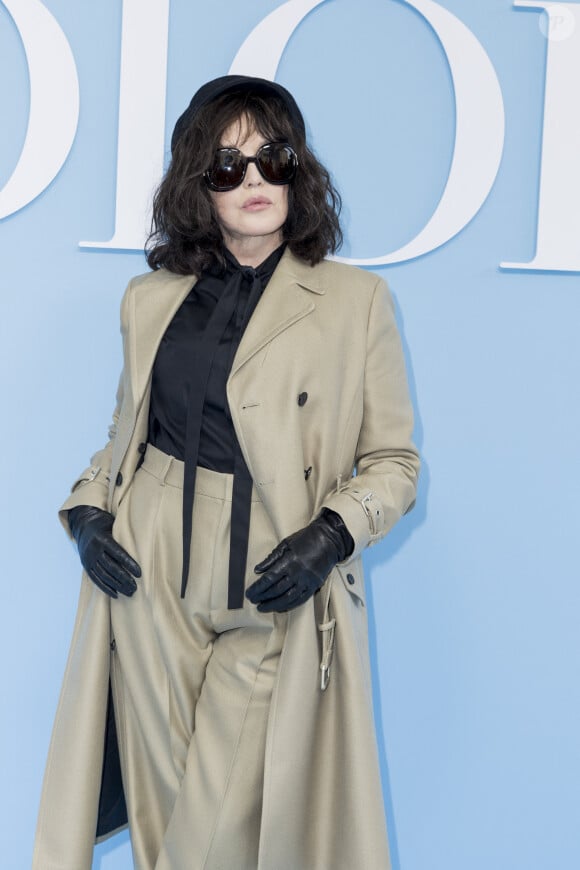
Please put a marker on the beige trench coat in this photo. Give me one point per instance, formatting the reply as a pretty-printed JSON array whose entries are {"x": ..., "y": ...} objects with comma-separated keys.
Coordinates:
[{"x": 329, "y": 331}]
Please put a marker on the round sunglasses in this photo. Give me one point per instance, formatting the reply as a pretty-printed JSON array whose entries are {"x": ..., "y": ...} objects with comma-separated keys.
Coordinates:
[{"x": 275, "y": 161}]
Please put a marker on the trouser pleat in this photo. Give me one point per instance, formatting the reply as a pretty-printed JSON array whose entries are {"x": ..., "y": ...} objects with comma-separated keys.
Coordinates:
[{"x": 192, "y": 679}]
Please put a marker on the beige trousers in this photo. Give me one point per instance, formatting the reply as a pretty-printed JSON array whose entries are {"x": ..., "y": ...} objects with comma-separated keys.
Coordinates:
[{"x": 192, "y": 680}]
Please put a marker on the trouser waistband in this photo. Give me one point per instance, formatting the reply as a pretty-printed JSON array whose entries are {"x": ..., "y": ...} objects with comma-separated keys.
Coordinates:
[{"x": 169, "y": 470}]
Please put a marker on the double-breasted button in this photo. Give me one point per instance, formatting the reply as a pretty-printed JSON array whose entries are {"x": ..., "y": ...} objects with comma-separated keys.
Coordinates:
[
  {"x": 350, "y": 579},
  {"x": 142, "y": 448},
  {"x": 119, "y": 479},
  {"x": 113, "y": 645},
  {"x": 302, "y": 399},
  {"x": 307, "y": 472}
]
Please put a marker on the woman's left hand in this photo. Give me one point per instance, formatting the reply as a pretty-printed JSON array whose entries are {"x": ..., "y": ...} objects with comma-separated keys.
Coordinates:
[{"x": 297, "y": 567}]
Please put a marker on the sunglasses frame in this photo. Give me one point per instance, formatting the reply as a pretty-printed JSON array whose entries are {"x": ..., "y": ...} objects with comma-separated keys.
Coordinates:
[{"x": 256, "y": 161}]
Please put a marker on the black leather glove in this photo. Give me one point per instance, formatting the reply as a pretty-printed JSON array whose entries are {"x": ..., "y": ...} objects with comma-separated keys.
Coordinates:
[
  {"x": 105, "y": 561},
  {"x": 300, "y": 564}
]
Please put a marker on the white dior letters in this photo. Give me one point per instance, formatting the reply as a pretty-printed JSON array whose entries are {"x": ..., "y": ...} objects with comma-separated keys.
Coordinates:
[
  {"x": 558, "y": 228},
  {"x": 54, "y": 104},
  {"x": 54, "y": 109},
  {"x": 141, "y": 136},
  {"x": 479, "y": 135}
]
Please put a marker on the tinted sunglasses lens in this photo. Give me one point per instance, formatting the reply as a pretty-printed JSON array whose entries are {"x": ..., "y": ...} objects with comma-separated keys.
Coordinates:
[
  {"x": 277, "y": 163},
  {"x": 227, "y": 169}
]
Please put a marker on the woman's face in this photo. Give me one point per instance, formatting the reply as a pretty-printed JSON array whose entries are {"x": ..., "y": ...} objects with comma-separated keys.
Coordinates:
[{"x": 251, "y": 216}]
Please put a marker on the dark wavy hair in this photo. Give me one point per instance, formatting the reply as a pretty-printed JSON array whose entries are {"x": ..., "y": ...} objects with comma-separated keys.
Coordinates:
[{"x": 185, "y": 235}]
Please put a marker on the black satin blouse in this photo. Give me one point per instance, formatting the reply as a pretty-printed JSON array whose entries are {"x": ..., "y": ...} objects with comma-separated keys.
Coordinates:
[
  {"x": 189, "y": 417},
  {"x": 170, "y": 384}
]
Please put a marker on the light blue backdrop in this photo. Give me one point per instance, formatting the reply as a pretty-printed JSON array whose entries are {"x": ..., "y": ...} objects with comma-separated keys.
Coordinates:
[{"x": 474, "y": 598}]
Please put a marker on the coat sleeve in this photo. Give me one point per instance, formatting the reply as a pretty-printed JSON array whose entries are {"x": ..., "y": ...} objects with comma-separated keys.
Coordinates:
[
  {"x": 386, "y": 460},
  {"x": 92, "y": 486}
]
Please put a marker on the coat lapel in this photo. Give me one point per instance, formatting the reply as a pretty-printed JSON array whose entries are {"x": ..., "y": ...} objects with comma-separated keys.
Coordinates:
[
  {"x": 154, "y": 304},
  {"x": 286, "y": 299}
]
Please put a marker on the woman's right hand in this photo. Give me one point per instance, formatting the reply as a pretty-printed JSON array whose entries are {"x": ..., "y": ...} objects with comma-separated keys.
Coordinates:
[{"x": 105, "y": 561}]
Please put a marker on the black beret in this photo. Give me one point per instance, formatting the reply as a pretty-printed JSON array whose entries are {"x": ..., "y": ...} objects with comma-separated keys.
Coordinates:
[{"x": 223, "y": 85}]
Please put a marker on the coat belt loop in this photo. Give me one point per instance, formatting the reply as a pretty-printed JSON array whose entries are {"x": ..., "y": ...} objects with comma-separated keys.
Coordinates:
[{"x": 326, "y": 628}]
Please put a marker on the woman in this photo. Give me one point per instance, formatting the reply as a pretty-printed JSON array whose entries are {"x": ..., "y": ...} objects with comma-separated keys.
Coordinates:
[{"x": 221, "y": 528}]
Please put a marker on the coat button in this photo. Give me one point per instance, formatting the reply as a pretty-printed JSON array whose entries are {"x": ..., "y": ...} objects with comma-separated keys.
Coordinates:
[
  {"x": 350, "y": 579},
  {"x": 302, "y": 399},
  {"x": 119, "y": 479},
  {"x": 142, "y": 448},
  {"x": 307, "y": 472}
]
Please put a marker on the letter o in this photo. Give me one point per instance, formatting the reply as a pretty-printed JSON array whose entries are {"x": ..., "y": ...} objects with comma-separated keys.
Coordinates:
[{"x": 480, "y": 126}]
